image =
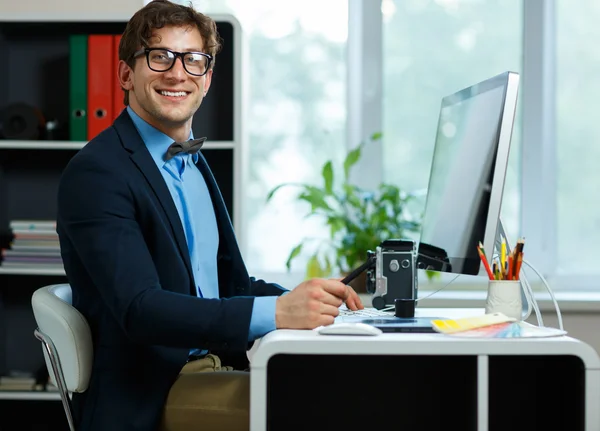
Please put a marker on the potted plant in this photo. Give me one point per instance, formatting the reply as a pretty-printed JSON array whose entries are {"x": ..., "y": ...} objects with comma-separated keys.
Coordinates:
[{"x": 358, "y": 220}]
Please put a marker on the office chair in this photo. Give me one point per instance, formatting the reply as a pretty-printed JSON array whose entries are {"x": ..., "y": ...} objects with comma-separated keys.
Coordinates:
[{"x": 66, "y": 342}]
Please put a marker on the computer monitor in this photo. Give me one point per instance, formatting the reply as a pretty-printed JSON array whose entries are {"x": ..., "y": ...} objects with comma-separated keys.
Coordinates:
[{"x": 466, "y": 182}]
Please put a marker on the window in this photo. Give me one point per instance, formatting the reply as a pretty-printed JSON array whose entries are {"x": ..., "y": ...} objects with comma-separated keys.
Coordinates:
[
  {"x": 577, "y": 133},
  {"x": 295, "y": 117},
  {"x": 432, "y": 49}
]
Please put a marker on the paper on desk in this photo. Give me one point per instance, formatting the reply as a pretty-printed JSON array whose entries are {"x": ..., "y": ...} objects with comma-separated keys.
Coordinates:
[{"x": 511, "y": 330}]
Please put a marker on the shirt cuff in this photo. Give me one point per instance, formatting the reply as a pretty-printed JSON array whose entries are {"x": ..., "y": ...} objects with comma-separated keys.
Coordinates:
[{"x": 263, "y": 317}]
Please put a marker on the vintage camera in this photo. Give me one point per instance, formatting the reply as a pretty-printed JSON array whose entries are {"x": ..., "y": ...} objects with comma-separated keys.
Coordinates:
[{"x": 393, "y": 274}]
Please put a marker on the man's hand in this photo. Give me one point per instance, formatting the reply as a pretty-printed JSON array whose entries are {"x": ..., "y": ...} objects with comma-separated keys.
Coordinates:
[
  {"x": 353, "y": 302},
  {"x": 313, "y": 303}
]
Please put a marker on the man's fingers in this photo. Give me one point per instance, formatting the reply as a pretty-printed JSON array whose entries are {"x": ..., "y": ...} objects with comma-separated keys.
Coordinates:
[
  {"x": 336, "y": 288},
  {"x": 326, "y": 319},
  {"x": 352, "y": 302},
  {"x": 330, "y": 310},
  {"x": 356, "y": 298},
  {"x": 330, "y": 299}
]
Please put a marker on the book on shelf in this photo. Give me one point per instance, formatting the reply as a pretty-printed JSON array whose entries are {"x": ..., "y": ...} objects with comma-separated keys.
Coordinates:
[
  {"x": 34, "y": 245},
  {"x": 17, "y": 383},
  {"x": 32, "y": 225}
]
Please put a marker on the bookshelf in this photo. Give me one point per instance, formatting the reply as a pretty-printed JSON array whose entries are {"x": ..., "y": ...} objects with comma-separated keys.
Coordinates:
[{"x": 36, "y": 72}]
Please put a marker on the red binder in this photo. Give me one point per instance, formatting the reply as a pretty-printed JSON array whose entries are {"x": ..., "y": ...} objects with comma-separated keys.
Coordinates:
[
  {"x": 100, "y": 83},
  {"x": 118, "y": 105}
]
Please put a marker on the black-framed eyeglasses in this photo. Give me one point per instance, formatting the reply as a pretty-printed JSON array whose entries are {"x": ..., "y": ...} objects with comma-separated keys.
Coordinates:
[{"x": 161, "y": 60}]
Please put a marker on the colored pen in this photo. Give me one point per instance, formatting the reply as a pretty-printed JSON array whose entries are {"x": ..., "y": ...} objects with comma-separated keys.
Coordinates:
[
  {"x": 503, "y": 253},
  {"x": 519, "y": 263},
  {"x": 486, "y": 265}
]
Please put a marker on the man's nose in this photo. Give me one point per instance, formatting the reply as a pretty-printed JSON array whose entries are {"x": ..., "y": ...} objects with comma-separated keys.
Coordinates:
[{"x": 177, "y": 71}]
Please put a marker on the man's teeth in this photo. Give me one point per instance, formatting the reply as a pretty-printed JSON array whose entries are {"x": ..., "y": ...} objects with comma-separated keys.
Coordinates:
[{"x": 173, "y": 93}]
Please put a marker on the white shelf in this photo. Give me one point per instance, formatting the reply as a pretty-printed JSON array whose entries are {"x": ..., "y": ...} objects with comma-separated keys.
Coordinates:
[
  {"x": 29, "y": 395},
  {"x": 41, "y": 145},
  {"x": 77, "y": 145},
  {"x": 31, "y": 271}
]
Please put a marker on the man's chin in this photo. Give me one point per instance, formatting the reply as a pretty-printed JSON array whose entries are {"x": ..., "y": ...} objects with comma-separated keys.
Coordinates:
[{"x": 174, "y": 119}]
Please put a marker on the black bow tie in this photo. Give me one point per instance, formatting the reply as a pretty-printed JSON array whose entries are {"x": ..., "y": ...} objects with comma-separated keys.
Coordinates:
[{"x": 191, "y": 147}]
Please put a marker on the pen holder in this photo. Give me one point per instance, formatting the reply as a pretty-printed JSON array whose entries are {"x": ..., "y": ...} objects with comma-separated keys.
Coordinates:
[{"x": 504, "y": 296}]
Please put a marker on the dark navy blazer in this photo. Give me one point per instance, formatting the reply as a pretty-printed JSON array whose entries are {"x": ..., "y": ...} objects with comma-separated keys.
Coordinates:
[{"x": 127, "y": 261}]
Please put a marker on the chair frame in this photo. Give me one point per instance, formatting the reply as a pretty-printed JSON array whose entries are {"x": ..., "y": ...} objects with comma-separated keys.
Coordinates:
[{"x": 59, "y": 377}]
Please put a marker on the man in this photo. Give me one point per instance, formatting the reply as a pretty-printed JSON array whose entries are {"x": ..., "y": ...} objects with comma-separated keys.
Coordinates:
[{"x": 151, "y": 255}]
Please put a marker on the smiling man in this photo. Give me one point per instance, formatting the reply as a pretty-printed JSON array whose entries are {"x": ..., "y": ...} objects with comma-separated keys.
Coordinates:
[{"x": 151, "y": 255}]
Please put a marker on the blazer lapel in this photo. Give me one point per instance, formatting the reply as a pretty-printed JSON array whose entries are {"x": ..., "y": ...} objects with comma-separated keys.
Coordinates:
[
  {"x": 223, "y": 220},
  {"x": 140, "y": 155}
]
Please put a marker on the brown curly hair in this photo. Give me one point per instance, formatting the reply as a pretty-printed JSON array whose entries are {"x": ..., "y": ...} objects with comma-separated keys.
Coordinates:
[{"x": 158, "y": 14}]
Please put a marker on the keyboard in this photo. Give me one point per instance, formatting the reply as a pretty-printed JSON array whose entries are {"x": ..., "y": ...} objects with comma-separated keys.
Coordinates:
[{"x": 366, "y": 312}]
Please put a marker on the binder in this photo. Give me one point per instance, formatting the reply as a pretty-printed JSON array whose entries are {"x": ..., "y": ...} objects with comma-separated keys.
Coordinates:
[
  {"x": 118, "y": 104},
  {"x": 100, "y": 83},
  {"x": 78, "y": 47}
]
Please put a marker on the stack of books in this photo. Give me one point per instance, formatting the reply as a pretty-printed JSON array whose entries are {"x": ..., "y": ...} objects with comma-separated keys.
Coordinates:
[
  {"x": 17, "y": 383},
  {"x": 34, "y": 245}
]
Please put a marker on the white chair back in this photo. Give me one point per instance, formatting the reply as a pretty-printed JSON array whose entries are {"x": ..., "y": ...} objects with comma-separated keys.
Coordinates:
[{"x": 68, "y": 331}]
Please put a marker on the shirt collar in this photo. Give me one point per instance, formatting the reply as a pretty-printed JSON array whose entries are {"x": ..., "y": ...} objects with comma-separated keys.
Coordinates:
[{"x": 155, "y": 140}]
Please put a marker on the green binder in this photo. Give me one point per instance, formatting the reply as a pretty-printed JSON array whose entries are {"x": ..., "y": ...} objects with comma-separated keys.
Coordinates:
[{"x": 78, "y": 87}]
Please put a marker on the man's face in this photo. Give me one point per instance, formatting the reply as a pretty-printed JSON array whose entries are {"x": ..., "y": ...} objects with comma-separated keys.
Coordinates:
[{"x": 167, "y": 100}]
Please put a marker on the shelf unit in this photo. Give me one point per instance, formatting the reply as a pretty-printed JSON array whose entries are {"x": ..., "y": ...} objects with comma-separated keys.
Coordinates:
[{"x": 30, "y": 170}]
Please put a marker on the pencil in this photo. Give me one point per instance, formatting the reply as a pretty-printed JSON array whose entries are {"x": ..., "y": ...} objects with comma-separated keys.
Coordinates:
[
  {"x": 503, "y": 253},
  {"x": 519, "y": 263},
  {"x": 486, "y": 265}
]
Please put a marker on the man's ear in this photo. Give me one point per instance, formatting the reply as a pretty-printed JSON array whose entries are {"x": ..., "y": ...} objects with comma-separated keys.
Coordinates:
[{"x": 125, "y": 76}]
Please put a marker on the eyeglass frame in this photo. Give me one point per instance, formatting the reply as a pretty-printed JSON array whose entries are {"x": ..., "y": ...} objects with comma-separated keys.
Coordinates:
[{"x": 180, "y": 55}]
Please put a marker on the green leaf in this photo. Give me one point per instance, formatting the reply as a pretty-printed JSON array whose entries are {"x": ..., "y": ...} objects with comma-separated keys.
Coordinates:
[
  {"x": 351, "y": 159},
  {"x": 315, "y": 197},
  {"x": 328, "y": 177},
  {"x": 376, "y": 136},
  {"x": 293, "y": 254},
  {"x": 272, "y": 192},
  {"x": 336, "y": 224}
]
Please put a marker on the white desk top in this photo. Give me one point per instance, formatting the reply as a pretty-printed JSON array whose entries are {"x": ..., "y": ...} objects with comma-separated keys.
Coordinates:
[{"x": 310, "y": 342}]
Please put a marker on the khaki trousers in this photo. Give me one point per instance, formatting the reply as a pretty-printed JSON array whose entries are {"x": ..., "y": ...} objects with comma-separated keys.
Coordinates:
[{"x": 208, "y": 396}]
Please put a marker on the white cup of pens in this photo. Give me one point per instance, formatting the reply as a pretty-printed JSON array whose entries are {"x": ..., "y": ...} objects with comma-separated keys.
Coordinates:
[{"x": 504, "y": 286}]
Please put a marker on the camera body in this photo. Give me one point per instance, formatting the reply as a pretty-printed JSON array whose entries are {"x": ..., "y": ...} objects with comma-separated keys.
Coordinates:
[{"x": 394, "y": 274}]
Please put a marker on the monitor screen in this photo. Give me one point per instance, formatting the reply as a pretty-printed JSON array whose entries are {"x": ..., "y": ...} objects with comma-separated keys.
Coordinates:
[{"x": 466, "y": 182}]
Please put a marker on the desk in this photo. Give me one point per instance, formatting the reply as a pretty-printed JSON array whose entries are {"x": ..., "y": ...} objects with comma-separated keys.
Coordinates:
[{"x": 303, "y": 380}]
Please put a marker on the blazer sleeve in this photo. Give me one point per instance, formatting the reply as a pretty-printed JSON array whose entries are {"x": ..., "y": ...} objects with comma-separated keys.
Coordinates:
[
  {"x": 96, "y": 212},
  {"x": 262, "y": 288}
]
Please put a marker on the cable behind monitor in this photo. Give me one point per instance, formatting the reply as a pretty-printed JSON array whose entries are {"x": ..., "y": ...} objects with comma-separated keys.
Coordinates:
[{"x": 527, "y": 290}]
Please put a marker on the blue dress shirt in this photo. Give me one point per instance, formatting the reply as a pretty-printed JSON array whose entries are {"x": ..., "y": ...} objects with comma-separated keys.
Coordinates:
[{"x": 194, "y": 206}]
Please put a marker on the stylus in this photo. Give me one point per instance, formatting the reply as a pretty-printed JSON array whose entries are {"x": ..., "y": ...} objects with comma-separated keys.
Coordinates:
[{"x": 356, "y": 272}]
